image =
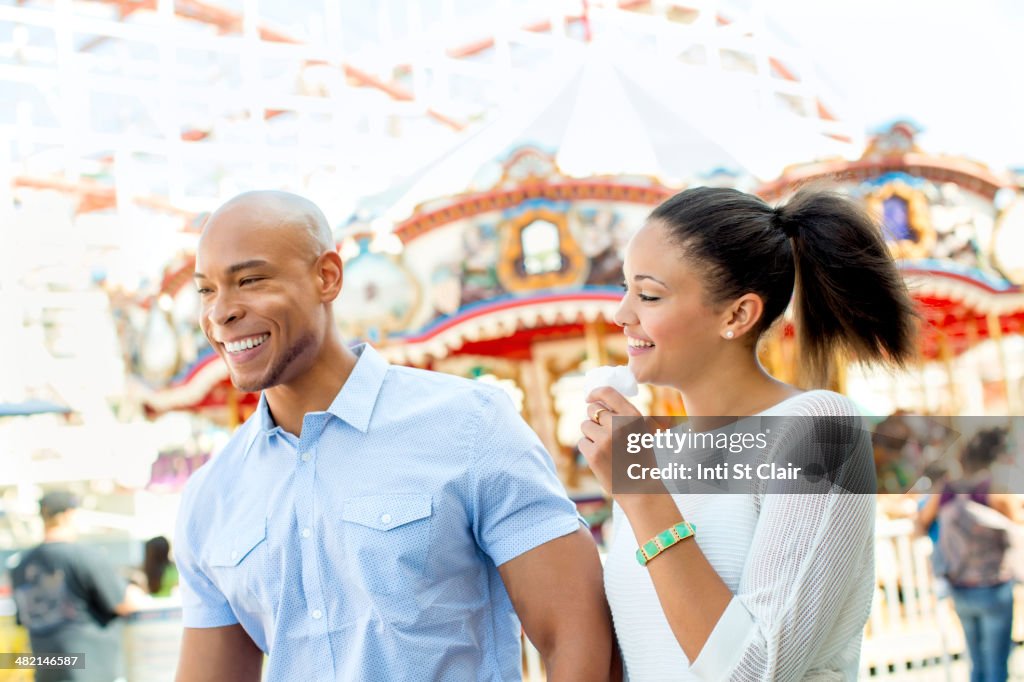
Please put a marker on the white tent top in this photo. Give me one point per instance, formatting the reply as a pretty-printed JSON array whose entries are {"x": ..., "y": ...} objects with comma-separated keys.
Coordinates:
[{"x": 602, "y": 112}]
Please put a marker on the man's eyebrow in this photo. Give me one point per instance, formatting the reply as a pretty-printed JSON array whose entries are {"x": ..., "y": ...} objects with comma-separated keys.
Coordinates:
[{"x": 236, "y": 267}]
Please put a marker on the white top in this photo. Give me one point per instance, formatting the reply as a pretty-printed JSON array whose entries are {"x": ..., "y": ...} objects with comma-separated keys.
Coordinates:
[{"x": 800, "y": 567}]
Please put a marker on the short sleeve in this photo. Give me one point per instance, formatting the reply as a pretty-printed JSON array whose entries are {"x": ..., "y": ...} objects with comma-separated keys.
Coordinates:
[
  {"x": 518, "y": 501},
  {"x": 203, "y": 604}
]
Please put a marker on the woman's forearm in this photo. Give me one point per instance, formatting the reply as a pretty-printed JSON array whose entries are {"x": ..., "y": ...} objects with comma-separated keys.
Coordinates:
[{"x": 692, "y": 595}]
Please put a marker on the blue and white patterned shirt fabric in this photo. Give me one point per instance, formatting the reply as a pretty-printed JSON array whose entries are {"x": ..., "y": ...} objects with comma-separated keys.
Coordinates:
[{"x": 367, "y": 549}]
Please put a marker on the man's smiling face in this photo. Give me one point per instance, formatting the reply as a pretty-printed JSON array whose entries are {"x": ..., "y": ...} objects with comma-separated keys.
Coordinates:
[{"x": 257, "y": 279}]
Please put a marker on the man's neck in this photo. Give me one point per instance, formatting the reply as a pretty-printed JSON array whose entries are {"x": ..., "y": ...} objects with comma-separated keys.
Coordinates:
[
  {"x": 58, "y": 534},
  {"x": 314, "y": 391}
]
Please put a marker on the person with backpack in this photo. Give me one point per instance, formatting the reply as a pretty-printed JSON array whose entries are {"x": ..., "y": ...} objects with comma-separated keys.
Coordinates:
[{"x": 979, "y": 543}]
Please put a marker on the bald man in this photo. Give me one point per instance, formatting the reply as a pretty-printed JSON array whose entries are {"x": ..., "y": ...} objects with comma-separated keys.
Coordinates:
[{"x": 369, "y": 521}]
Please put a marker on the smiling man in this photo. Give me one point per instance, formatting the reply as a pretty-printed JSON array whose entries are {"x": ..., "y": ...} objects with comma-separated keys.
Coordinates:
[{"x": 369, "y": 521}]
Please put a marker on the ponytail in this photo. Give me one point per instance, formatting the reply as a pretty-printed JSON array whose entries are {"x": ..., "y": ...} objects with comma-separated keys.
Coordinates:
[
  {"x": 849, "y": 296},
  {"x": 819, "y": 246}
]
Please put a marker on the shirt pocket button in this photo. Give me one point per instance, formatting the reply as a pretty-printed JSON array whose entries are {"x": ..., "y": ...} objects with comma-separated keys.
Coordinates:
[
  {"x": 238, "y": 565},
  {"x": 388, "y": 537}
]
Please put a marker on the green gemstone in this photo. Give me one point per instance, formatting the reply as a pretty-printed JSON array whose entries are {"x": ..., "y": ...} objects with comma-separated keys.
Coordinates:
[
  {"x": 651, "y": 548},
  {"x": 666, "y": 538}
]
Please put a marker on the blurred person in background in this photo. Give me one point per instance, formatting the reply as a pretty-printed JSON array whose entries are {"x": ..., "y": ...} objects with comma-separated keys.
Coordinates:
[
  {"x": 160, "y": 572},
  {"x": 69, "y": 597},
  {"x": 933, "y": 481},
  {"x": 892, "y": 439},
  {"x": 979, "y": 548}
]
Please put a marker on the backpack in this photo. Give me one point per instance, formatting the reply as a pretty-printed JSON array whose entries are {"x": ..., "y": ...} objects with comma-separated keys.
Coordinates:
[{"x": 978, "y": 545}]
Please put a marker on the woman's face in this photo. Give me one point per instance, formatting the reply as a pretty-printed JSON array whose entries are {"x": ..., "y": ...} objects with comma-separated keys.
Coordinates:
[{"x": 672, "y": 334}]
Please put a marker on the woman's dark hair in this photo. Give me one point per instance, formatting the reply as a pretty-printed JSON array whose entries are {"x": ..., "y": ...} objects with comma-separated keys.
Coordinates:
[
  {"x": 983, "y": 449},
  {"x": 820, "y": 247},
  {"x": 155, "y": 561}
]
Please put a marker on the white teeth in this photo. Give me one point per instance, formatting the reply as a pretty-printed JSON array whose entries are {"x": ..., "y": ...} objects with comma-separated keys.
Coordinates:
[
  {"x": 245, "y": 344},
  {"x": 637, "y": 343}
]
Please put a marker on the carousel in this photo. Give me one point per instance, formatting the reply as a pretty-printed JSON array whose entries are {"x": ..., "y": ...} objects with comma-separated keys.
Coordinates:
[
  {"x": 957, "y": 230},
  {"x": 517, "y": 284},
  {"x": 500, "y": 259}
]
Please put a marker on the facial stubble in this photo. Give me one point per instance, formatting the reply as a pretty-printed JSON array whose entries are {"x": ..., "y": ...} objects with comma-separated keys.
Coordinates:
[{"x": 277, "y": 370}]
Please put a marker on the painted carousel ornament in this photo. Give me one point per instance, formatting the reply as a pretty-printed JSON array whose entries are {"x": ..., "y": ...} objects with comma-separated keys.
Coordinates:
[
  {"x": 1008, "y": 240},
  {"x": 894, "y": 142},
  {"x": 170, "y": 338},
  {"x": 380, "y": 293},
  {"x": 479, "y": 271},
  {"x": 899, "y": 200},
  {"x": 603, "y": 236},
  {"x": 959, "y": 234},
  {"x": 538, "y": 251}
]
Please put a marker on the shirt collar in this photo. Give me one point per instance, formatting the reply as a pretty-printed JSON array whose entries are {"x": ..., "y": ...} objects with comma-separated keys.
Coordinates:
[
  {"x": 356, "y": 399},
  {"x": 263, "y": 411}
]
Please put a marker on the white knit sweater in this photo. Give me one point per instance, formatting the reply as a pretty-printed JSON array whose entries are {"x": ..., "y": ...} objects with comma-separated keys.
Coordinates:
[{"x": 800, "y": 567}]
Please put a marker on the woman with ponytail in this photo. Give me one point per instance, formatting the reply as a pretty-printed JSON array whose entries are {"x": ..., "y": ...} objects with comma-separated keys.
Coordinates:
[{"x": 773, "y": 584}]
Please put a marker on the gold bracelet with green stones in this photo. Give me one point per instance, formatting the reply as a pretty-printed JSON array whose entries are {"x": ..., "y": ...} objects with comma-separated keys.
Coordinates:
[{"x": 663, "y": 540}]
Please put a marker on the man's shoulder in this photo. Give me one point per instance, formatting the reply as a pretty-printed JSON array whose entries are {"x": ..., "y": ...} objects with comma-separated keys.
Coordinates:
[
  {"x": 236, "y": 447},
  {"x": 440, "y": 386},
  {"x": 19, "y": 561},
  {"x": 224, "y": 463},
  {"x": 428, "y": 377},
  {"x": 59, "y": 554},
  {"x": 428, "y": 405}
]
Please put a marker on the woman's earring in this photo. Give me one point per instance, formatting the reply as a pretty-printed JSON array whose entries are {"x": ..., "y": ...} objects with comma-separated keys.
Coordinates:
[{"x": 729, "y": 334}]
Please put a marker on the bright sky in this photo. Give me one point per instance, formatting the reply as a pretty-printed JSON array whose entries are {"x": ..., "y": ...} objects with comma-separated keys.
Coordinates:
[{"x": 951, "y": 67}]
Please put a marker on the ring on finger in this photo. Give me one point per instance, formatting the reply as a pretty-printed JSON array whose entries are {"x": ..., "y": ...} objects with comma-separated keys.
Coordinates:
[{"x": 597, "y": 415}]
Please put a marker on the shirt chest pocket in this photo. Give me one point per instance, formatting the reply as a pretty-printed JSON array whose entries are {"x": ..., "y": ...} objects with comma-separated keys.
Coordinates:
[
  {"x": 239, "y": 565},
  {"x": 387, "y": 538}
]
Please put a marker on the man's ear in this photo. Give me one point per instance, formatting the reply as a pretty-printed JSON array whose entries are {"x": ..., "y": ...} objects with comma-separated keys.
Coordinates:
[{"x": 330, "y": 274}]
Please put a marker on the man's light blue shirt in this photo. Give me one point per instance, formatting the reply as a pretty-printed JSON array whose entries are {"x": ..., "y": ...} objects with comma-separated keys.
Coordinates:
[{"x": 367, "y": 549}]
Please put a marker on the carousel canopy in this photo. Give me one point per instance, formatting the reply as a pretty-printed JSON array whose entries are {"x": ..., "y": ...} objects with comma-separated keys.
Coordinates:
[{"x": 602, "y": 111}]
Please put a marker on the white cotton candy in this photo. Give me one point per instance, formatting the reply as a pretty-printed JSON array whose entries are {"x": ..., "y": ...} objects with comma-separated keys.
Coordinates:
[{"x": 620, "y": 378}]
